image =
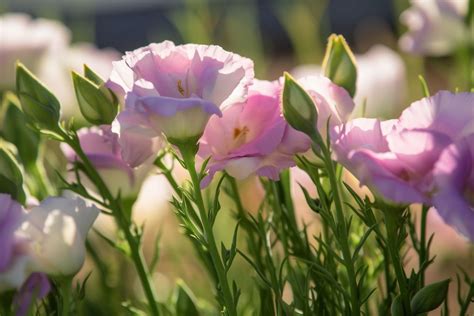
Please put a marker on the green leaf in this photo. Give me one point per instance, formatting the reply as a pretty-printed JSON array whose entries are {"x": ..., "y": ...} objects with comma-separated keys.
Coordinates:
[
  {"x": 298, "y": 107},
  {"x": 339, "y": 64},
  {"x": 11, "y": 178},
  {"x": 15, "y": 130},
  {"x": 97, "y": 104},
  {"x": 39, "y": 105},
  {"x": 185, "y": 300},
  {"x": 429, "y": 297}
]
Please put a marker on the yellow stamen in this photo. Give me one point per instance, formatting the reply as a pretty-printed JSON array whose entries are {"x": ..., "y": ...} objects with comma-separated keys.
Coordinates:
[{"x": 180, "y": 87}]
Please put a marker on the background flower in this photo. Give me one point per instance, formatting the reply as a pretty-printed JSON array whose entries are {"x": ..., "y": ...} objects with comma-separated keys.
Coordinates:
[
  {"x": 27, "y": 40},
  {"x": 436, "y": 27}
]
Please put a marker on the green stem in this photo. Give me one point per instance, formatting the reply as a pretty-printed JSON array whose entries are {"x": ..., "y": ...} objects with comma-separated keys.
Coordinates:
[
  {"x": 38, "y": 174},
  {"x": 65, "y": 286},
  {"x": 343, "y": 239},
  {"x": 392, "y": 219},
  {"x": 424, "y": 254},
  {"x": 168, "y": 175},
  {"x": 123, "y": 223},
  {"x": 188, "y": 154}
]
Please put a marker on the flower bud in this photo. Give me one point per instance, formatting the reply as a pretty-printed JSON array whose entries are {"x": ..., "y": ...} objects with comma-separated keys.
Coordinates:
[
  {"x": 39, "y": 105},
  {"x": 429, "y": 297},
  {"x": 11, "y": 179},
  {"x": 97, "y": 103},
  {"x": 299, "y": 109},
  {"x": 339, "y": 64}
]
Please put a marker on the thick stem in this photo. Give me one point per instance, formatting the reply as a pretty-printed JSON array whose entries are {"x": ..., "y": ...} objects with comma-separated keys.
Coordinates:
[
  {"x": 392, "y": 223},
  {"x": 188, "y": 154},
  {"x": 123, "y": 224}
]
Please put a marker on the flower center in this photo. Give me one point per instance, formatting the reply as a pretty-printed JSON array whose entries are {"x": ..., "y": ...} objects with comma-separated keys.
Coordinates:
[
  {"x": 239, "y": 135},
  {"x": 180, "y": 88}
]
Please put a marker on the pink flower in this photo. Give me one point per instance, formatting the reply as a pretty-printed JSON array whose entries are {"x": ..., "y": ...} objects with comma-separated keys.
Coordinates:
[
  {"x": 174, "y": 90},
  {"x": 252, "y": 137},
  {"x": 424, "y": 157},
  {"x": 102, "y": 148}
]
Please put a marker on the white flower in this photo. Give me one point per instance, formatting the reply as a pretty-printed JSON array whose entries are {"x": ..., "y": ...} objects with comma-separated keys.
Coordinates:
[
  {"x": 435, "y": 27},
  {"x": 56, "y": 231},
  {"x": 27, "y": 40}
]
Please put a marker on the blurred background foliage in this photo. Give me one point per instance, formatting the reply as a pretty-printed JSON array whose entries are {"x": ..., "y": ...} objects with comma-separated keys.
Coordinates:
[{"x": 278, "y": 35}]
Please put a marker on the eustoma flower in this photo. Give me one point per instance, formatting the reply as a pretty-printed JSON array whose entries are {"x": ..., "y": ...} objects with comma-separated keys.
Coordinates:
[
  {"x": 22, "y": 38},
  {"x": 49, "y": 238},
  {"x": 174, "y": 90},
  {"x": 252, "y": 137},
  {"x": 426, "y": 156},
  {"x": 436, "y": 27},
  {"x": 103, "y": 150}
]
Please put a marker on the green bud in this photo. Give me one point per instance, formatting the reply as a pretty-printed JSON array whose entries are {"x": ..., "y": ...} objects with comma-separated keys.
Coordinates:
[
  {"x": 397, "y": 307},
  {"x": 16, "y": 131},
  {"x": 97, "y": 103},
  {"x": 185, "y": 301},
  {"x": 429, "y": 297},
  {"x": 339, "y": 63},
  {"x": 299, "y": 109},
  {"x": 11, "y": 178},
  {"x": 40, "y": 106}
]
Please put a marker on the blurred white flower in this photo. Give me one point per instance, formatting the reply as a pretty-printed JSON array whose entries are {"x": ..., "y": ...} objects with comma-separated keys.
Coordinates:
[
  {"x": 381, "y": 82},
  {"x": 27, "y": 40},
  {"x": 56, "y": 232},
  {"x": 435, "y": 27}
]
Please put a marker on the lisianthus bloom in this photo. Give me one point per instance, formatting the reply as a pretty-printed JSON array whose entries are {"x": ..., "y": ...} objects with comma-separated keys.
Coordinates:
[
  {"x": 28, "y": 40},
  {"x": 174, "y": 90},
  {"x": 56, "y": 232},
  {"x": 102, "y": 148},
  {"x": 379, "y": 68},
  {"x": 426, "y": 156},
  {"x": 48, "y": 238},
  {"x": 252, "y": 137},
  {"x": 436, "y": 27}
]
